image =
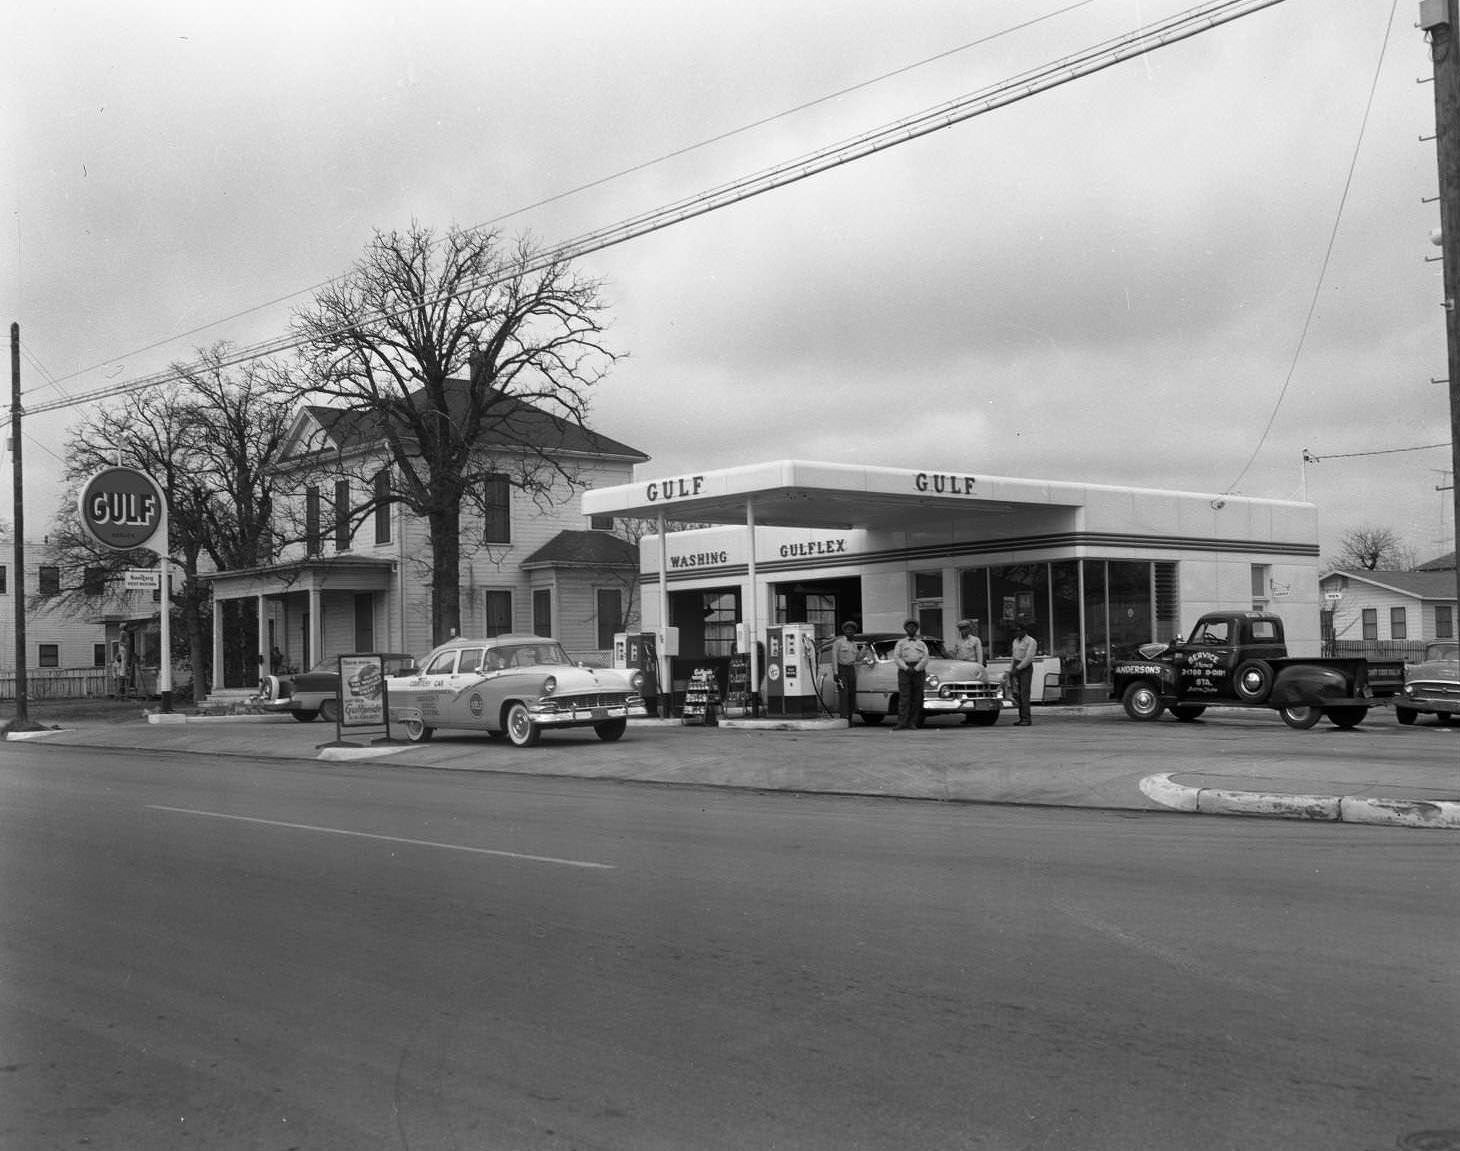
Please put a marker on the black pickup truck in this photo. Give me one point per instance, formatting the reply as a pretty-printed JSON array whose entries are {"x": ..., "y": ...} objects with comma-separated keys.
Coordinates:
[{"x": 1239, "y": 658}]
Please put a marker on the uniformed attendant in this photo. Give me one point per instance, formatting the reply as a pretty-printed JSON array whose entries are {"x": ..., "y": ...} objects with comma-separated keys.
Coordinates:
[
  {"x": 967, "y": 646},
  {"x": 911, "y": 657},
  {"x": 1021, "y": 673},
  {"x": 844, "y": 659}
]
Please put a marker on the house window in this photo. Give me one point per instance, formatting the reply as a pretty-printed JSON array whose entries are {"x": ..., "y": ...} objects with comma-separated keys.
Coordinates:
[
  {"x": 49, "y": 581},
  {"x": 98, "y": 655},
  {"x": 1397, "y": 628},
  {"x": 498, "y": 609},
  {"x": 382, "y": 507},
  {"x": 342, "y": 515},
  {"x": 93, "y": 582},
  {"x": 542, "y": 611},
  {"x": 313, "y": 542},
  {"x": 50, "y": 655},
  {"x": 600, "y": 523},
  {"x": 610, "y": 615},
  {"x": 1444, "y": 621},
  {"x": 1371, "y": 623},
  {"x": 497, "y": 510}
]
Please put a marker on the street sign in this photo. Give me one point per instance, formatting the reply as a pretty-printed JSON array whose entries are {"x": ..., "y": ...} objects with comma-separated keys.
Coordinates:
[
  {"x": 141, "y": 579},
  {"x": 123, "y": 508}
]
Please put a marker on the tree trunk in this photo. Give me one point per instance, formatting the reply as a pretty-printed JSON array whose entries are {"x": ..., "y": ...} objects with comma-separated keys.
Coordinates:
[{"x": 445, "y": 574}]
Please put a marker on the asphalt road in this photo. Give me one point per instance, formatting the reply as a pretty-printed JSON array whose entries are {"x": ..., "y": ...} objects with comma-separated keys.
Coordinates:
[{"x": 204, "y": 952}]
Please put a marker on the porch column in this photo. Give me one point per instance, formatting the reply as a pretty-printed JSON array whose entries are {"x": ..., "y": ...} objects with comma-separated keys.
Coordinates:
[
  {"x": 316, "y": 629},
  {"x": 217, "y": 644},
  {"x": 264, "y": 667}
]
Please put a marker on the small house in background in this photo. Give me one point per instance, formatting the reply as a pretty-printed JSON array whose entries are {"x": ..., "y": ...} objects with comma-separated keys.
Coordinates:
[
  {"x": 1389, "y": 613},
  {"x": 74, "y": 621}
]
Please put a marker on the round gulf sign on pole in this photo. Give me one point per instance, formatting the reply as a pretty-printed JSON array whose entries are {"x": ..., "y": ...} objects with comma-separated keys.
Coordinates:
[{"x": 124, "y": 509}]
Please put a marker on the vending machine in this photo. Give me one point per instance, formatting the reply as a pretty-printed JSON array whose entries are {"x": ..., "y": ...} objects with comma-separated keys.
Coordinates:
[{"x": 791, "y": 668}]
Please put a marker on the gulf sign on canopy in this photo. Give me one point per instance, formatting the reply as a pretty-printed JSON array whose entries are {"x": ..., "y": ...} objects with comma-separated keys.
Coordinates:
[{"x": 123, "y": 508}]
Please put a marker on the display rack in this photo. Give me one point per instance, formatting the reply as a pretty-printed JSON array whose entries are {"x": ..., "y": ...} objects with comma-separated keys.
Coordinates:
[{"x": 701, "y": 698}]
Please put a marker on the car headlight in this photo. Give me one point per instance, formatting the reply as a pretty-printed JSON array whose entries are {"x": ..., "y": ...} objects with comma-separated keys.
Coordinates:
[
  {"x": 933, "y": 682},
  {"x": 1409, "y": 689},
  {"x": 636, "y": 681},
  {"x": 550, "y": 685}
]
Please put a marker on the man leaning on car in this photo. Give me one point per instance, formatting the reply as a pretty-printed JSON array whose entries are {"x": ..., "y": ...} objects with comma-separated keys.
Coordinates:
[{"x": 911, "y": 657}]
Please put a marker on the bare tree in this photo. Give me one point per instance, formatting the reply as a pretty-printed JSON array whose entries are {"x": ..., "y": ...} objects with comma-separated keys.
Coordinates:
[
  {"x": 211, "y": 441},
  {"x": 449, "y": 350},
  {"x": 1374, "y": 548}
]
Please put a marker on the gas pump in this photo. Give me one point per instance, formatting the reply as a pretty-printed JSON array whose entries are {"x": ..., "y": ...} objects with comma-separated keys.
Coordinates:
[
  {"x": 637, "y": 651},
  {"x": 790, "y": 673}
]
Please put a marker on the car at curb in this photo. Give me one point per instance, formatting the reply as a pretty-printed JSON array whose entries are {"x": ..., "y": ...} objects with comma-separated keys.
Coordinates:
[
  {"x": 952, "y": 687},
  {"x": 315, "y": 694},
  {"x": 513, "y": 687},
  {"x": 1431, "y": 686}
]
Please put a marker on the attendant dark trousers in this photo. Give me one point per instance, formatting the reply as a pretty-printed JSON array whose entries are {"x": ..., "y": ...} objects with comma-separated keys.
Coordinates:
[
  {"x": 1023, "y": 682},
  {"x": 910, "y": 697},
  {"x": 847, "y": 694}
]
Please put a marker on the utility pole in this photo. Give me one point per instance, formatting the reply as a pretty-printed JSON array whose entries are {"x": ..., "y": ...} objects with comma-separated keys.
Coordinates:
[
  {"x": 22, "y": 689},
  {"x": 1440, "y": 20}
]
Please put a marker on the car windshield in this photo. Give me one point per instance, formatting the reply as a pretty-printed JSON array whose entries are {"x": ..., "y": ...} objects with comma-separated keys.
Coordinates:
[
  {"x": 1437, "y": 651},
  {"x": 883, "y": 648},
  {"x": 544, "y": 653}
]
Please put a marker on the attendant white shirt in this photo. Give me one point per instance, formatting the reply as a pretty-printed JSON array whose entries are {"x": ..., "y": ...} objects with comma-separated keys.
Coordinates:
[{"x": 1023, "y": 650}]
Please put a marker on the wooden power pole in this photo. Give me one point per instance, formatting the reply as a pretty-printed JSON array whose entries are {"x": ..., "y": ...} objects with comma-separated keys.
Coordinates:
[
  {"x": 1438, "y": 19},
  {"x": 22, "y": 689}
]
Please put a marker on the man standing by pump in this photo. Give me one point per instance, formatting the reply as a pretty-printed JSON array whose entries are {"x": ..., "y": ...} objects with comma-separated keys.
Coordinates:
[
  {"x": 911, "y": 657},
  {"x": 844, "y": 657}
]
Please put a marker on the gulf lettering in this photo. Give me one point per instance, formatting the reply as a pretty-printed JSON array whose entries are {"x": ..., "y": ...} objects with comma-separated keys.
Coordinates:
[
  {"x": 675, "y": 489},
  {"x": 131, "y": 509},
  {"x": 944, "y": 483}
]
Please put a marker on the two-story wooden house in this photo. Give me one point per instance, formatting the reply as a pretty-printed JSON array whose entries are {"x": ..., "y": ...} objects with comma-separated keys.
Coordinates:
[{"x": 349, "y": 583}]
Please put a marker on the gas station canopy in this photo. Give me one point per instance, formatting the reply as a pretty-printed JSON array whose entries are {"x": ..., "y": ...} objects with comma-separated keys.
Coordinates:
[{"x": 801, "y": 494}]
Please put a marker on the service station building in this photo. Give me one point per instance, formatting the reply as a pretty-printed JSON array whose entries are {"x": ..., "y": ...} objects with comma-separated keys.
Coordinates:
[{"x": 1093, "y": 570}]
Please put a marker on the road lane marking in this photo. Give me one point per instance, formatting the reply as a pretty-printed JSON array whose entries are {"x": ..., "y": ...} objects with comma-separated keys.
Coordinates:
[{"x": 387, "y": 838}]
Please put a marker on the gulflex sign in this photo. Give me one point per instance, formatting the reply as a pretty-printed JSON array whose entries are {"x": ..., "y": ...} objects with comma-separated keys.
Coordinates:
[{"x": 123, "y": 509}]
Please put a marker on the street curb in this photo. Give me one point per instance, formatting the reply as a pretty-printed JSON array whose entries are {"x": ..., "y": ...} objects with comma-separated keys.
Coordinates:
[{"x": 1325, "y": 808}]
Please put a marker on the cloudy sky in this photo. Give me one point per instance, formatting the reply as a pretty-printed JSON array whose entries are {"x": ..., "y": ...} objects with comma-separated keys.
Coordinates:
[{"x": 1108, "y": 282}]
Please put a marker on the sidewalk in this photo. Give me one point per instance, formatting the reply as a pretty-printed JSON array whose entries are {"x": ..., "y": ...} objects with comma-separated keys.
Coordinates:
[{"x": 1242, "y": 763}]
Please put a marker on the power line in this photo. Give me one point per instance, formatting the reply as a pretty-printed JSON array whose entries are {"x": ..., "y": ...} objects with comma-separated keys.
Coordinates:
[
  {"x": 602, "y": 180},
  {"x": 1327, "y": 258},
  {"x": 1035, "y": 81},
  {"x": 1310, "y": 458}
]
